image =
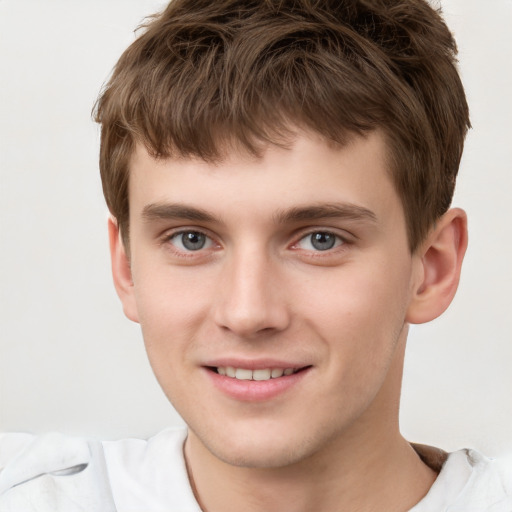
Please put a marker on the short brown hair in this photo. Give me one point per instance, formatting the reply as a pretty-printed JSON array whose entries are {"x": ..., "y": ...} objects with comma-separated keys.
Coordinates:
[{"x": 207, "y": 74}]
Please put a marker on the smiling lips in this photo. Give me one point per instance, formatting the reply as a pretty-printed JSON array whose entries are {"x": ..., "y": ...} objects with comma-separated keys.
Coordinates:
[
  {"x": 259, "y": 375},
  {"x": 255, "y": 381}
]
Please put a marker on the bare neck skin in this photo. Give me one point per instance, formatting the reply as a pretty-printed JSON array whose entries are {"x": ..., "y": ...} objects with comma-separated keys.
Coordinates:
[{"x": 370, "y": 467}]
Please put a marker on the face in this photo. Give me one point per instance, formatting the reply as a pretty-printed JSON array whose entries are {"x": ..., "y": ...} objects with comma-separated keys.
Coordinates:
[{"x": 272, "y": 294}]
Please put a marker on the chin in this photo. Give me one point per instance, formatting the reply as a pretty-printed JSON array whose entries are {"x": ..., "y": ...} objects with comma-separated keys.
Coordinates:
[
  {"x": 261, "y": 451},
  {"x": 259, "y": 458}
]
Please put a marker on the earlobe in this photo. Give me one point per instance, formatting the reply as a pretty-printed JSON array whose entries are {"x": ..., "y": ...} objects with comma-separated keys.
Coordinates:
[
  {"x": 440, "y": 259},
  {"x": 121, "y": 271}
]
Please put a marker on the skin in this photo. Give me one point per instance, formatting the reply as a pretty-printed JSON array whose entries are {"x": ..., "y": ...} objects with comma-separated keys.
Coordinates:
[{"x": 261, "y": 289}]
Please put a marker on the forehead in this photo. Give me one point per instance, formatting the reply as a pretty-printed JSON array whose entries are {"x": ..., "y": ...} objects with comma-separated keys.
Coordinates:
[{"x": 308, "y": 172}]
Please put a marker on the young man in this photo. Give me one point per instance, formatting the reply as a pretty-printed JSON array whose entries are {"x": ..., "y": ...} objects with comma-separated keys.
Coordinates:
[{"x": 279, "y": 175}]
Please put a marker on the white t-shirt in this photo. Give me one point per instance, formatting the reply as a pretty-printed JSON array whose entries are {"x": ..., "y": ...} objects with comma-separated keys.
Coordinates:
[{"x": 54, "y": 473}]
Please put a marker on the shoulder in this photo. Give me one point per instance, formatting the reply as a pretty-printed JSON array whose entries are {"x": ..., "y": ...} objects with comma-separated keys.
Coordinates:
[
  {"x": 57, "y": 473},
  {"x": 471, "y": 482},
  {"x": 490, "y": 482},
  {"x": 150, "y": 473},
  {"x": 52, "y": 472}
]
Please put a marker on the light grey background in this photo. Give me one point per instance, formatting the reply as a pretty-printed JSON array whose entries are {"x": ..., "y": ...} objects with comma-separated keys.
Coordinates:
[{"x": 70, "y": 361}]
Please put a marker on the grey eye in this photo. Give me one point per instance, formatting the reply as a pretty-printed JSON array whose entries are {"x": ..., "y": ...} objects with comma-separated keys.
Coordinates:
[
  {"x": 323, "y": 241},
  {"x": 188, "y": 241},
  {"x": 193, "y": 240}
]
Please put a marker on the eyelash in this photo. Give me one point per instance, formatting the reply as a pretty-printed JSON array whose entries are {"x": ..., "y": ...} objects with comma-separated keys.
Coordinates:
[
  {"x": 184, "y": 253},
  {"x": 339, "y": 242}
]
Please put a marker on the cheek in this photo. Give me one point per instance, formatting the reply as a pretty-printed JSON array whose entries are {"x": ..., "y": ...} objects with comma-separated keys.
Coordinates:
[
  {"x": 168, "y": 321},
  {"x": 170, "y": 305},
  {"x": 360, "y": 312}
]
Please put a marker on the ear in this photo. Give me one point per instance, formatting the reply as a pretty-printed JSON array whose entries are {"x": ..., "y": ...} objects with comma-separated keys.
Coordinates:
[
  {"x": 121, "y": 271},
  {"x": 440, "y": 261}
]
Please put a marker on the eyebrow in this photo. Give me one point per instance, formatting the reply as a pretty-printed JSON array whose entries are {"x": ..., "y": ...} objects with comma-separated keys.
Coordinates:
[
  {"x": 325, "y": 211},
  {"x": 173, "y": 211},
  {"x": 163, "y": 211}
]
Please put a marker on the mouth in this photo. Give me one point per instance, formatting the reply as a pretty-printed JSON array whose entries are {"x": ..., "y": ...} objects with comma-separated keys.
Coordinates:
[
  {"x": 261, "y": 374},
  {"x": 256, "y": 381}
]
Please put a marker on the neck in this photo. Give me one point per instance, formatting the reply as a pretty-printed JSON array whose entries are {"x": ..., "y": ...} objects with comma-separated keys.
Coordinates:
[
  {"x": 369, "y": 467},
  {"x": 390, "y": 478}
]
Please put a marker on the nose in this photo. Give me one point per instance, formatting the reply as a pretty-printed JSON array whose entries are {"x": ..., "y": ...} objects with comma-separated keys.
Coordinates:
[{"x": 250, "y": 298}]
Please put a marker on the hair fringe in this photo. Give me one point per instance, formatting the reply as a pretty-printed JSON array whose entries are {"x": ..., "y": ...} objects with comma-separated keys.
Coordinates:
[{"x": 206, "y": 77}]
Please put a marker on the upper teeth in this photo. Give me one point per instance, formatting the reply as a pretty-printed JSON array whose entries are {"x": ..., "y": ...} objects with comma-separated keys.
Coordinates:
[{"x": 246, "y": 374}]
